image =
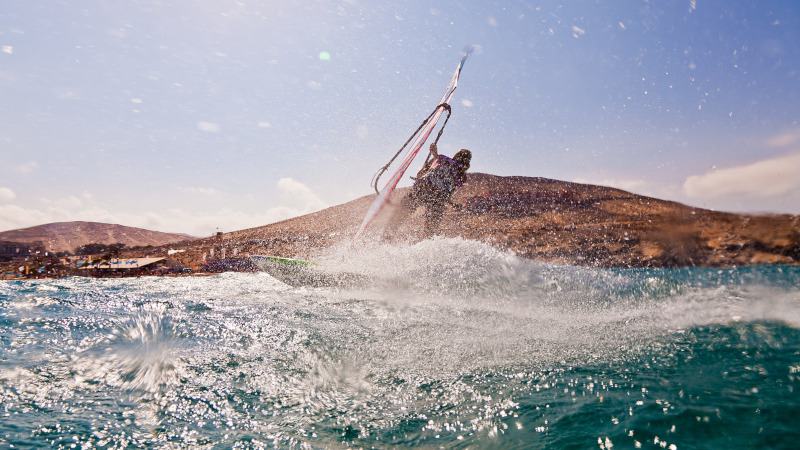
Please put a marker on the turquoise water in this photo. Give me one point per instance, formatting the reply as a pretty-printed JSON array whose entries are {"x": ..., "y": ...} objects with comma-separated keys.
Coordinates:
[{"x": 463, "y": 347}]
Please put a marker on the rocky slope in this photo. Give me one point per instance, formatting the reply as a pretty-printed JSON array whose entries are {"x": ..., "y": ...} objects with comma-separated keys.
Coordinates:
[
  {"x": 541, "y": 219},
  {"x": 66, "y": 236}
]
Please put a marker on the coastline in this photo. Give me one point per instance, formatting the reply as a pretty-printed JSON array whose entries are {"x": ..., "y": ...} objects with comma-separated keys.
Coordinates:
[{"x": 534, "y": 218}]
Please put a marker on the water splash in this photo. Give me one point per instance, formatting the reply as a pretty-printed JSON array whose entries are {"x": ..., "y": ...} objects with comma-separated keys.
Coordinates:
[
  {"x": 141, "y": 353},
  {"x": 471, "y": 346}
]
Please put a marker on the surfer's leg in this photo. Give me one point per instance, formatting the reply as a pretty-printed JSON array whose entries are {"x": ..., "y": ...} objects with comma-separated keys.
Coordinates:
[{"x": 433, "y": 217}]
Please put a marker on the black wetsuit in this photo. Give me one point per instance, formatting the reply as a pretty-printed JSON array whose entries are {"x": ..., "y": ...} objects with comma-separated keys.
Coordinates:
[{"x": 433, "y": 190}]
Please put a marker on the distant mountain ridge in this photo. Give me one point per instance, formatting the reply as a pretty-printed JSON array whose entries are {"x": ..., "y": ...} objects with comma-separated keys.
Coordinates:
[{"x": 66, "y": 236}]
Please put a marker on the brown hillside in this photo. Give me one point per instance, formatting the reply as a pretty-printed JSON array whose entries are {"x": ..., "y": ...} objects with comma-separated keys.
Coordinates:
[
  {"x": 66, "y": 236},
  {"x": 545, "y": 220}
]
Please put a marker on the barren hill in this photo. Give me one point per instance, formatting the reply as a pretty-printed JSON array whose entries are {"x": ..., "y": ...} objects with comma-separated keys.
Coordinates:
[
  {"x": 66, "y": 236},
  {"x": 543, "y": 219}
]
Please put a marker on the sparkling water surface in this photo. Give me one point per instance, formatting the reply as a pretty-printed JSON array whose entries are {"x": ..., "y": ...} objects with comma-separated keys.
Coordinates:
[{"x": 457, "y": 345}]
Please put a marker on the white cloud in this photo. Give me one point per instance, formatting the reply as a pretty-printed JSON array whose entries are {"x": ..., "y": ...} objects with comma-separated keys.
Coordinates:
[
  {"x": 70, "y": 202},
  {"x": 206, "y": 223},
  {"x": 13, "y": 217},
  {"x": 26, "y": 168},
  {"x": 784, "y": 139},
  {"x": 767, "y": 178},
  {"x": 297, "y": 199},
  {"x": 199, "y": 191},
  {"x": 7, "y": 194},
  {"x": 68, "y": 95},
  {"x": 297, "y": 193},
  {"x": 208, "y": 127},
  {"x": 196, "y": 223}
]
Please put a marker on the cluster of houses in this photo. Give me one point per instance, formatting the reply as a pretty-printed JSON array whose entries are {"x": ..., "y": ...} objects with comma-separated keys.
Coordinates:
[
  {"x": 50, "y": 266},
  {"x": 20, "y": 260},
  {"x": 25, "y": 260}
]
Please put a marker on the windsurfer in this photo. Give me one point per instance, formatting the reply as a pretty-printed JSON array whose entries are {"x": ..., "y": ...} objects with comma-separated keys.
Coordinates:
[{"x": 433, "y": 188}]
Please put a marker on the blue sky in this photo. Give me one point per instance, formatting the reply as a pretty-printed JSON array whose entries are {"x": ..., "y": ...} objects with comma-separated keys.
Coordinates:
[{"x": 188, "y": 116}]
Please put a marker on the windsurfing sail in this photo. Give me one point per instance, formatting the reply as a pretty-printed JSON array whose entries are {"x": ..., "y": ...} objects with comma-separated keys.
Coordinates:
[{"x": 421, "y": 137}]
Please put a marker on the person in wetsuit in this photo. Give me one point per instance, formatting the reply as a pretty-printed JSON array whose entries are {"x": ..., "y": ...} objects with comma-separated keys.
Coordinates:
[{"x": 435, "y": 184}]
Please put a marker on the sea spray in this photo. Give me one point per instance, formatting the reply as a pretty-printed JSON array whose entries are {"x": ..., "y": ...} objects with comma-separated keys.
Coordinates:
[{"x": 468, "y": 346}]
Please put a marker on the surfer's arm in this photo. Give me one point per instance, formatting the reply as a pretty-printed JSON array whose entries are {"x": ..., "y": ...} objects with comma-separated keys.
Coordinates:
[
  {"x": 429, "y": 161},
  {"x": 434, "y": 150}
]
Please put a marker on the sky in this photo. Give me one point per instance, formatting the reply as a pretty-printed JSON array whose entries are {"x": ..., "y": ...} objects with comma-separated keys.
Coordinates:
[{"x": 202, "y": 116}]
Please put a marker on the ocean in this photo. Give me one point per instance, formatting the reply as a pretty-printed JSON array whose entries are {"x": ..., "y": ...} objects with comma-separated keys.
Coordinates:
[{"x": 457, "y": 345}]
